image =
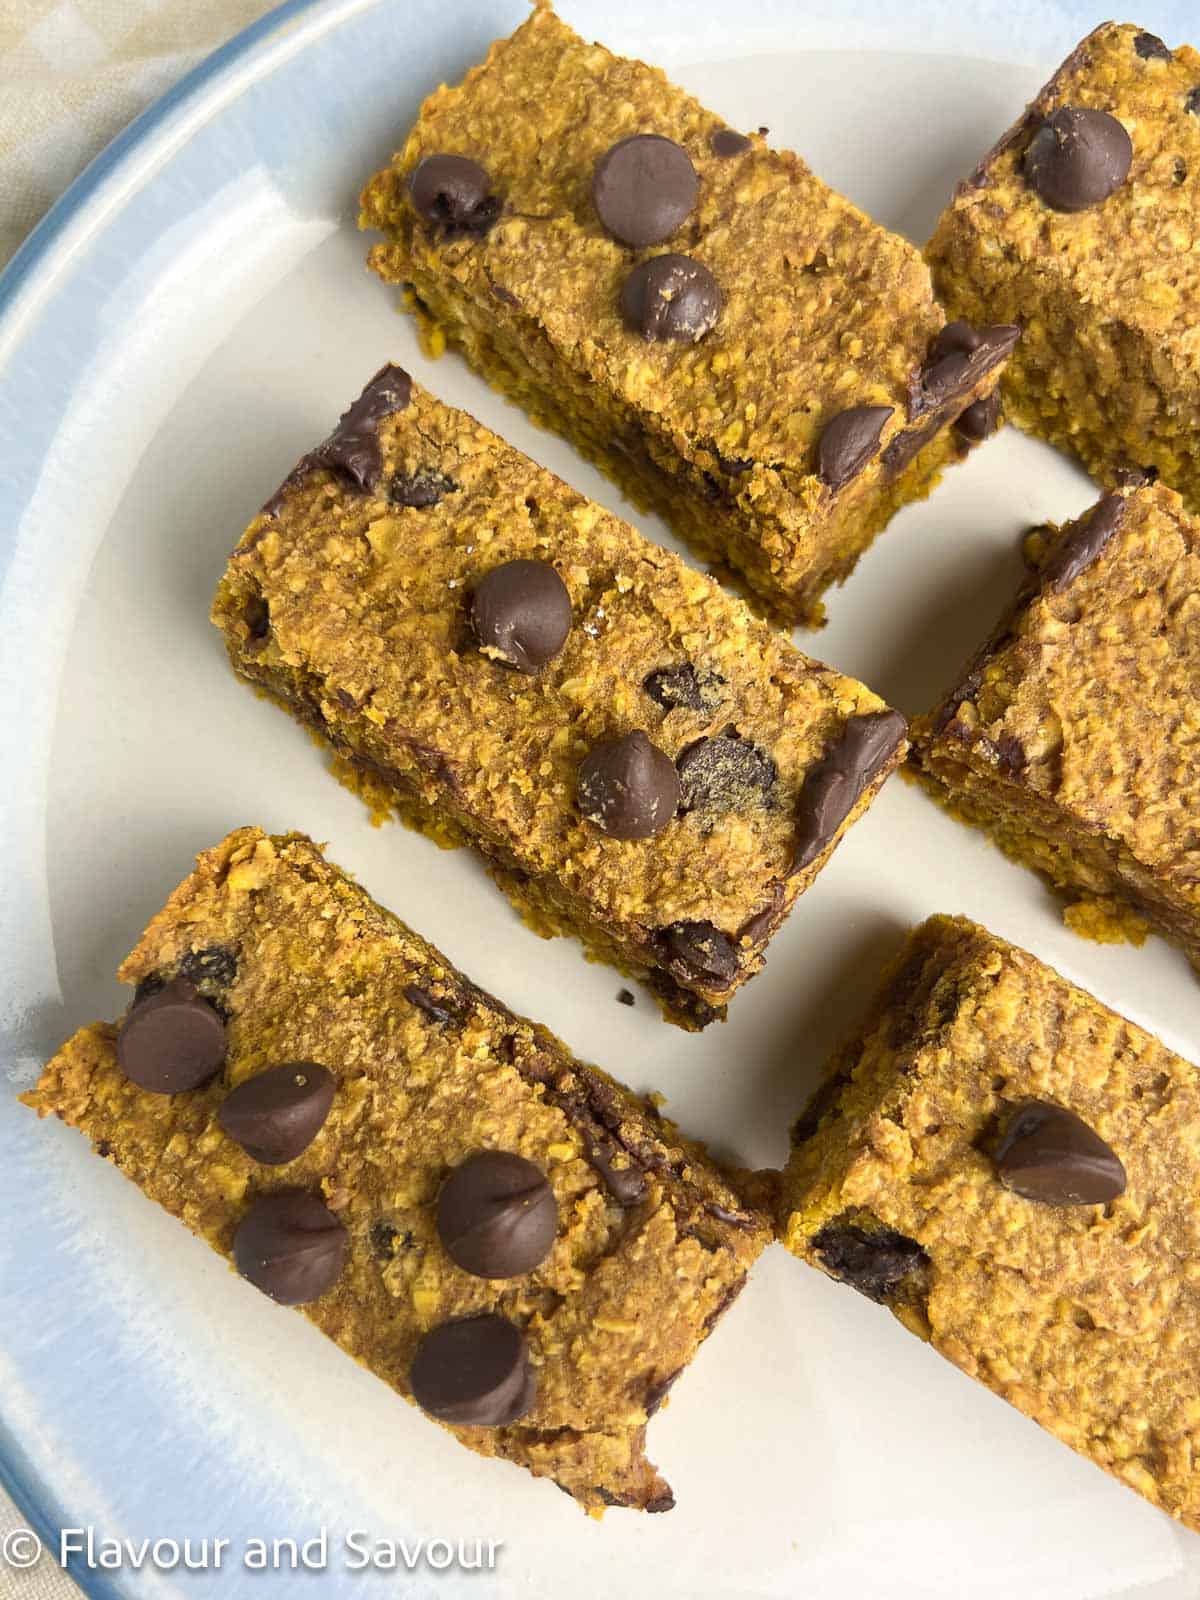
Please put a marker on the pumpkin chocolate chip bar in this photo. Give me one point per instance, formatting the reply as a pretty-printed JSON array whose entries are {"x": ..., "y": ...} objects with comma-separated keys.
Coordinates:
[
  {"x": 496, "y": 1230},
  {"x": 1073, "y": 736},
  {"x": 1012, "y": 1169},
  {"x": 1083, "y": 226},
  {"x": 736, "y": 345},
  {"x": 639, "y": 759}
]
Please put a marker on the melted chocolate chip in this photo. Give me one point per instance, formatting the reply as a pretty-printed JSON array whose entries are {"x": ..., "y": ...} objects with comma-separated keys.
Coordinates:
[
  {"x": 419, "y": 490},
  {"x": 1049, "y": 1154},
  {"x": 643, "y": 188},
  {"x": 278, "y": 1113},
  {"x": 1078, "y": 158},
  {"x": 623, "y": 1178},
  {"x": 1192, "y": 103},
  {"x": 1076, "y": 552},
  {"x": 172, "y": 1040},
  {"x": 875, "y": 1263},
  {"x": 960, "y": 357},
  {"x": 1151, "y": 48},
  {"x": 979, "y": 420},
  {"x": 698, "y": 952},
  {"x": 727, "y": 142},
  {"x": 684, "y": 686},
  {"x": 725, "y": 774},
  {"x": 848, "y": 442},
  {"x": 522, "y": 614},
  {"x": 628, "y": 788},
  {"x": 352, "y": 449},
  {"x": 834, "y": 786},
  {"x": 216, "y": 964},
  {"x": 474, "y": 1373},
  {"x": 436, "y": 1010},
  {"x": 257, "y": 617},
  {"x": 1010, "y": 754},
  {"x": 453, "y": 194},
  {"x": 906, "y": 446},
  {"x": 291, "y": 1246},
  {"x": 671, "y": 297},
  {"x": 658, "y": 1391},
  {"x": 387, "y": 1240},
  {"x": 497, "y": 1216}
]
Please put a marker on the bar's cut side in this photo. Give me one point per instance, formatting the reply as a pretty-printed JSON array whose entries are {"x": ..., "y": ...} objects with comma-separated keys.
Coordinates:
[
  {"x": 1082, "y": 225},
  {"x": 1012, "y": 1169},
  {"x": 1073, "y": 737},
  {"x": 641, "y": 761},
  {"x": 736, "y": 345},
  {"x": 540, "y": 1298}
]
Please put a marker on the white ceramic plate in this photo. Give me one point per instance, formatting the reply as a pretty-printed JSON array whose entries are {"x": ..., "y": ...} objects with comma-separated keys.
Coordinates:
[{"x": 193, "y": 317}]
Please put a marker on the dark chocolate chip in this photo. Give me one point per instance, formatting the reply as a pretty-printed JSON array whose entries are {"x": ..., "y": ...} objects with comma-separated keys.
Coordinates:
[
  {"x": 1179, "y": 171},
  {"x": 727, "y": 142},
  {"x": 626, "y": 1181},
  {"x": 419, "y": 490},
  {"x": 278, "y": 1113},
  {"x": 215, "y": 964},
  {"x": 625, "y": 997},
  {"x": 697, "y": 952},
  {"x": 522, "y": 614},
  {"x": 172, "y": 1040},
  {"x": 643, "y": 188},
  {"x": 848, "y": 442},
  {"x": 833, "y": 787},
  {"x": 257, "y": 617},
  {"x": 960, "y": 357},
  {"x": 756, "y": 928},
  {"x": 906, "y": 446},
  {"x": 658, "y": 1391},
  {"x": 496, "y": 1215},
  {"x": 1151, "y": 48},
  {"x": 454, "y": 194},
  {"x": 671, "y": 297},
  {"x": 875, "y": 1263},
  {"x": 683, "y": 686},
  {"x": 725, "y": 774},
  {"x": 474, "y": 1373},
  {"x": 1010, "y": 754},
  {"x": 435, "y": 1010},
  {"x": 1192, "y": 103},
  {"x": 291, "y": 1246},
  {"x": 628, "y": 788},
  {"x": 1078, "y": 158},
  {"x": 1076, "y": 552},
  {"x": 387, "y": 1240},
  {"x": 659, "y": 1503},
  {"x": 1047, "y": 1153},
  {"x": 352, "y": 449},
  {"x": 979, "y": 420}
]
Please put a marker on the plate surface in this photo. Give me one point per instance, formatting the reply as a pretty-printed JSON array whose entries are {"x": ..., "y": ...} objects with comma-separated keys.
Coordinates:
[{"x": 186, "y": 324}]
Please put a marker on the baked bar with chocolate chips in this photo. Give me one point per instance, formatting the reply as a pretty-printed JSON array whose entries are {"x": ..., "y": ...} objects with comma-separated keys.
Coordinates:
[
  {"x": 639, "y": 759},
  {"x": 498, "y": 1231},
  {"x": 1083, "y": 226},
  {"x": 1012, "y": 1169},
  {"x": 1073, "y": 737},
  {"x": 736, "y": 345}
]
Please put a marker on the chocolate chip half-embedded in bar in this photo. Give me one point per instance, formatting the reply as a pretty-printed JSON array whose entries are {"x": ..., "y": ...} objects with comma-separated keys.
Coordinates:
[
  {"x": 734, "y": 343},
  {"x": 497, "y": 1230},
  {"x": 1081, "y": 226},
  {"x": 1011, "y": 1168},
  {"x": 642, "y": 762},
  {"x": 1071, "y": 736}
]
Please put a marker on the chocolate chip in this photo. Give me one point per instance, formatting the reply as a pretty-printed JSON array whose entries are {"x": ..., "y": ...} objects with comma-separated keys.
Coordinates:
[
  {"x": 671, "y": 297},
  {"x": 1010, "y": 754},
  {"x": 216, "y": 964},
  {"x": 522, "y": 614},
  {"x": 725, "y": 774},
  {"x": 352, "y": 449},
  {"x": 1076, "y": 552},
  {"x": 291, "y": 1246},
  {"x": 960, "y": 357},
  {"x": 1077, "y": 158},
  {"x": 454, "y": 194},
  {"x": 1179, "y": 171},
  {"x": 424, "y": 1002},
  {"x": 386, "y": 1240},
  {"x": 683, "y": 686},
  {"x": 658, "y": 1391},
  {"x": 257, "y": 617},
  {"x": 875, "y": 1263},
  {"x": 979, "y": 420},
  {"x": 725, "y": 142},
  {"x": 628, "y": 788},
  {"x": 848, "y": 442},
  {"x": 906, "y": 446},
  {"x": 697, "y": 952},
  {"x": 419, "y": 490},
  {"x": 496, "y": 1215},
  {"x": 659, "y": 1503},
  {"x": 756, "y": 927},
  {"x": 1192, "y": 103},
  {"x": 1128, "y": 475},
  {"x": 625, "y": 997},
  {"x": 474, "y": 1373},
  {"x": 278, "y": 1113},
  {"x": 1047, "y": 1153},
  {"x": 1151, "y": 48},
  {"x": 172, "y": 1040},
  {"x": 643, "y": 187},
  {"x": 834, "y": 786},
  {"x": 624, "y": 1179}
]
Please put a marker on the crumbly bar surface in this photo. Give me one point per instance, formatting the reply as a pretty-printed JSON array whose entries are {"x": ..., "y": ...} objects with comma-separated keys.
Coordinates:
[
  {"x": 821, "y": 311},
  {"x": 353, "y": 607},
  {"x": 1074, "y": 734},
  {"x": 1108, "y": 297},
  {"x": 1085, "y": 1317},
  {"x": 652, "y": 1244}
]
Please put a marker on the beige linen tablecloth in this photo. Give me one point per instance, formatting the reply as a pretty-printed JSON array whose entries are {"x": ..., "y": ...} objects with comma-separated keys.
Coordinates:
[{"x": 72, "y": 74}]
